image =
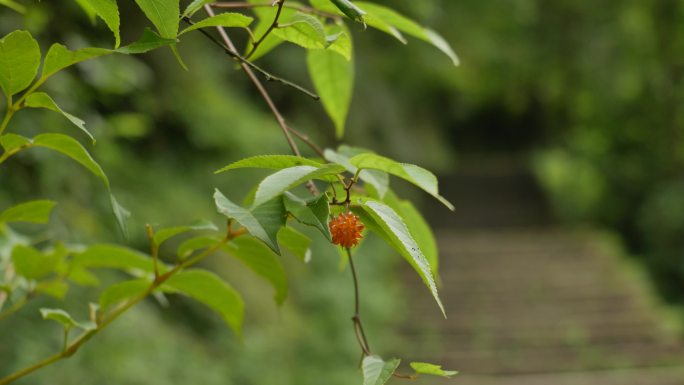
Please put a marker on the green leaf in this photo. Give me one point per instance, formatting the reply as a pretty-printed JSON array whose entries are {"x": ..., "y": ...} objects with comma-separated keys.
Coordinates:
[
  {"x": 412, "y": 173},
  {"x": 163, "y": 14},
  {"x": 435, "y": 370},
  {"x": 191, "y": 245},
  {"x": 228, "y": 19},
  {"x": 114, "y": 257},
  {"x": 262, "y": 222},
  {"x": 194, "y": 7},
  {"x": 33, "y": 212},
  {"x": 10, "y": 142},
  {"x": 288, "y": 178},
  {"x": 333, "y": 78},
  {"x": 108, "y": 11},
  {"x": 315, "y": 212},
  {"x": 419, "y": 228},
  {"x": 121, "y": 215},
  {"x": 378, "y": 179},
  {"x": 163, "y": 234},
  {"x": 65, "y": 319},
  {"x": 207, "y": 288},
  {"x": 73, "y": 149},
  {"x": 55, "y": 288},
  {"x": 261, "y": 260},
  {"x": 59, "y": 57},
  {"x": 406, "y": 25},
  {"x": 273, "y": 162},
  {"x": 13, "y": 5},
  {"x": 339, "y": 40},
  {"x": 31, "y": 263},
  {"x": 122, "y": 291},
  {"x": 148, "y": 41},
  {"x": 303, "y": 30},
  {"x": 401, "y": 239},
  {"x": 376, "y": 371},
  {"x": 349, "y": 9},
  {"x": 19, "y": 61},
  {"x": 88, "y": 9},
  {"x": 296, "y": 242},
  {"x": 43, "y": 100},
  {"x": 265, "y": 17}
]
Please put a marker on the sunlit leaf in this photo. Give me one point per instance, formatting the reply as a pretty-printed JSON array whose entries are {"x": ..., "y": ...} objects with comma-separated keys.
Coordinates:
[
  {"x": 65, "y": 319},
  {"x": 122, "y": 291},
  {"x": 10, "y": 142},
  {"x": 302, "y": 29},
  {"x": 19, "y": 61},
  {"x": 59, "y": 57},
  {"x": 288, "y": 178},
  {"x": 114, "y": 257},
  {"x": 273, "y": 162},
  {"x": 378, "y": 179},
  {"x": 432, "y": 369},
  {"x": 108, "y": 11},
  {"x": 148, "y": 41},
  {"x": 162, "y": 235},
  {"x": 228, "y": 19},
  {"x": 31, "y": 263},
  {"x": 73, "y": 149},
  {"x": 163, "y": 14}
]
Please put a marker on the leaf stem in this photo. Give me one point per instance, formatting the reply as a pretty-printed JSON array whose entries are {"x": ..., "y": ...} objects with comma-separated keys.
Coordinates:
[
  {"x": 356, "y": 319},
  {"x": 270, "y": 29}
]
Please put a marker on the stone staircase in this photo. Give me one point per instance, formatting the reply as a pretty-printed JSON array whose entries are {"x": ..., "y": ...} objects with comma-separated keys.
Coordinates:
[{"x": 530, "y": 303}]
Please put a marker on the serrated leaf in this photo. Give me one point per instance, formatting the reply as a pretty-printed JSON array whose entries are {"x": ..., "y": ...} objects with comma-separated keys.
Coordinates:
[
  {"x": 333, "y": 78},
  {"x": 59, "y": 57},
  {"x": 191, "y": 245},
  {"x": 11, "y": 142},
  {"x": 302, "y": 29},
  {"x": 228, "y": 19},
  {"x": 65, "y": 319},
  {"x": 401, "y": 239},
  {"x": 122, "y": 291},
  {"x": 261, "y": 260},
  {"x": 43, "y": 100},
  {"x": 431, "y": 369},
  {"x": 73, "y": 149},
  {"x": 207, "y": 288},
  {"x": 162, "y": 235},
  {"x": 376, "y": 178},
  {"x": 32, "y": 212},
  {"x": 148, "y": 41},
  {"x": 273, "y": 162},
  {"x": 291, "y": 177},
  {"x": 114, "y": 257},
  {"x": 296, "y": 243},
  {"x": 19, "y": 61},
  {"x": 376, "y": 371},
  {"x": 419, "y": 228},
  {"x": 406, "y": 25},
  {"x": 263, "y": 222},
  {"x": 163, "y": 14},
  {"x": 409, "y": 172},
  {"x": 31, "y": 263},
  {"x": 108, "y": 11},
  {"x": 315, "y": 212}
]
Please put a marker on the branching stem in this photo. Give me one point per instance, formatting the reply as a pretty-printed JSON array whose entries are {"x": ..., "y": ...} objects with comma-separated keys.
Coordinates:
[{"x": 270, "y": 29}]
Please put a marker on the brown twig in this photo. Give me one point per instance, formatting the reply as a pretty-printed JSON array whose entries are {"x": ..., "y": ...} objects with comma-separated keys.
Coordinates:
[
  {"x": 270, "y": 29},
  {"x": 356, "y": 319},
  {"x": 300, "y": 8}
]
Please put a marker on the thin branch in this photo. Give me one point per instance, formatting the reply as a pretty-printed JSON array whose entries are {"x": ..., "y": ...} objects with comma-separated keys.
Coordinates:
[
  {"x": 304, "y": 138},
  {"x": 264, "y": 94},
  {"x": 73, "y": 347},
  {"x": 358, "y": 326},
  {"x": 300, "y": 8},
  {"x": 270, "y": 29},
  {"x": 232, "y": 52}
]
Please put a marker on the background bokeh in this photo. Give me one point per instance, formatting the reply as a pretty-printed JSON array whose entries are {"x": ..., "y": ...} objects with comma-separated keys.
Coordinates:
[{"x": 586, "y": 96}]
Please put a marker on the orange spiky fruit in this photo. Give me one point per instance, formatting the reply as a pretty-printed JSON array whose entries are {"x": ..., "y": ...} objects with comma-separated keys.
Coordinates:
[{"x": 346, "y": 230}]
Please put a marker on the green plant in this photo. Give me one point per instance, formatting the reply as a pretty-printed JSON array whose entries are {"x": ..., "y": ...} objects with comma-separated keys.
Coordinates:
[{"x": 349, "y": 182}]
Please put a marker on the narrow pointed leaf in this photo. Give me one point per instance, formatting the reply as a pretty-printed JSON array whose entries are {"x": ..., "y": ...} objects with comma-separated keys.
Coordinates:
[
  {"x": 108, "y": 11},
  {"x": 401, "y": 239},
  {"x": 59, "y": 57},
  {"x": 314, "y": 213},
  {"x": 333, "y": 78},
  {"x": 273, "y": 162},
  {"x": 163, "y": 14},
  {"x": 209, "y": 289},
  {"x": 73, "y": 149},
  {"x": 409, "y": 172},
  {"x": 65, "y": 319},
  {"x": 43, "y": 100},
  {"x": 32, "y": 212},
  {"x": 114, "y": 257},
  {"x": 288, "y": 178},
  {"x": 19, "y": 61},
  {"x": 262, "y": 222},
  {"x": 432, "y": 369},
  {"x": 228, "y": 19}
]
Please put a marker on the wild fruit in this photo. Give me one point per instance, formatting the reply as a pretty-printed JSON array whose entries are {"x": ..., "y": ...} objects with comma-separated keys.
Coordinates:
[{"x": 346, "y": 230}]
